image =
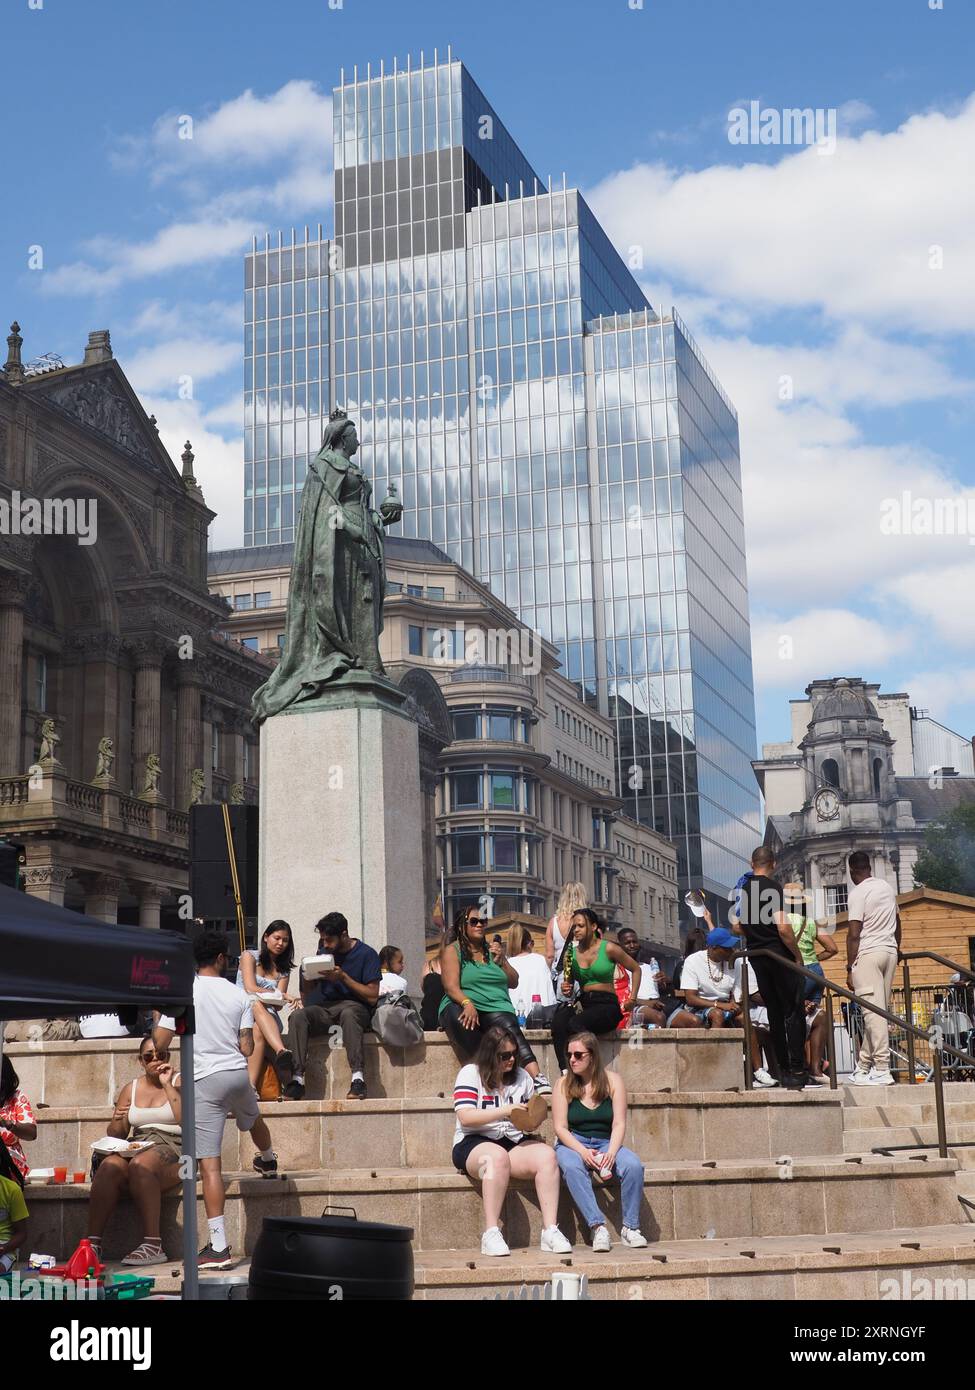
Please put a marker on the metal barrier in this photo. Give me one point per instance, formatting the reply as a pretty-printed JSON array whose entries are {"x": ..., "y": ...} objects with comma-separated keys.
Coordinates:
[
  {"x": 910, "y": 1029},
  {"x": 952, "y": 1017}
]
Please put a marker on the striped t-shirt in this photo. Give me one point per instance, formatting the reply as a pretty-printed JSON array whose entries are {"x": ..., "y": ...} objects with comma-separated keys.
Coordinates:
[{"x": 471, "y": 1093}]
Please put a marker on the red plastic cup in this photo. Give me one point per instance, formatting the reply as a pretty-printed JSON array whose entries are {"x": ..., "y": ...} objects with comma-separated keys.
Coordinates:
[
  {"x": 79, "y": 1177},
  {"x": 61, "y": 1174}
]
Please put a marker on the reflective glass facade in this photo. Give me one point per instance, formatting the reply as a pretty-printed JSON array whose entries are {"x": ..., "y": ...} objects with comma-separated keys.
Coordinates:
[{"x": 543, "y": 425}]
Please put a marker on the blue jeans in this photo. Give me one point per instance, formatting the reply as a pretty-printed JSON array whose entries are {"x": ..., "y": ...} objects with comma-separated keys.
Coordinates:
[
  {"x": 812, "y": 990},
  {"x": 578, "y": 1177}
]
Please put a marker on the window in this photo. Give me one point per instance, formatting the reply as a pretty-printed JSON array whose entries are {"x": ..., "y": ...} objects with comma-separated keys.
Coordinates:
[
  {"x": 214, "y": 747},
  {"x": 597, "y": 826},
  {"x": 416, "y": 590},
  {"x": 468, "y": 851},
  {"x": 263, "y": 599},
  {"x": 250, "y": 643},
  {"x": 501, "y": 727},
  {"x": 835, "y": 899},
  {"x": 504, "y": 851},
  {"x": 415, "y": 638},
  {"x": 242, "y": 601},
  {"x": 280, "y": 641},
  {"x": 433, "y": 592},
  {"x": 831, "y": 772},
  {"x": 247, "y": 761},
  {"x": 40, "y": 687},
  {"x": 393, "y": 588},
  {"x": 467, "y": 790},
  {"x": 877, "y": 769},
  {"x": 467, "y": 724},
  {"x": 445, "y": 644},
  {"x": 503, "y": 791}
]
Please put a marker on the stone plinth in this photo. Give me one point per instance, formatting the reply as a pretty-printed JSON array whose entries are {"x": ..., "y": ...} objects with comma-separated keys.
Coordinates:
[{"x": 341, "y": 820}]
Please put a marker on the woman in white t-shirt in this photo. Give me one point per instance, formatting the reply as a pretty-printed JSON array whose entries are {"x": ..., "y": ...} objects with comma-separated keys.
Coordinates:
[
  {"x": 571, "y": 899},
  {"x": 707, "y": 982},
  {"x": 492, "y": 1150},
  {"x": 534, "y": 976}
]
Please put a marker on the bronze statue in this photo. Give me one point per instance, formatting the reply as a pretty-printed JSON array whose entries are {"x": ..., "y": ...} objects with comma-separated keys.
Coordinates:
[{"x": 338, "y": 579}]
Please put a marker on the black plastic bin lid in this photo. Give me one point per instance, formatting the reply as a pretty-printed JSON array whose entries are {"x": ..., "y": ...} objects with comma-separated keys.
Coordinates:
[{"x": 348, "y": 1226}]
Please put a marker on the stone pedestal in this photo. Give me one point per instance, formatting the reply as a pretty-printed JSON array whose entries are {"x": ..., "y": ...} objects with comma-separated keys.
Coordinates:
[{"x": 340, "y": 823}]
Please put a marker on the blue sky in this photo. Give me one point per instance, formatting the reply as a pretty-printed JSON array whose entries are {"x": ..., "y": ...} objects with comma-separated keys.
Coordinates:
[{"x": 833, "y": 292}]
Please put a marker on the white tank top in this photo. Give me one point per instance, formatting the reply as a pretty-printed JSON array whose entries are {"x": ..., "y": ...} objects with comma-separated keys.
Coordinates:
[{"x": 158, "y": 1116}]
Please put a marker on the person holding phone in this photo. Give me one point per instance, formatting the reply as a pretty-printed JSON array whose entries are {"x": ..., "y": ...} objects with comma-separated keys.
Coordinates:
[
  {"x": 147, "y": 1110},
  {"x": 267, "y": 970},
  {"x": 477, "y": 981},
  {"x": 490, "y": 1094},
  {"x": 593, "y": 967}
]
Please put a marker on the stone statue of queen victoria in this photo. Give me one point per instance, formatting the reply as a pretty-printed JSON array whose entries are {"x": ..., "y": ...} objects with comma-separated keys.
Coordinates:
[{"x": 338, "y": 579}]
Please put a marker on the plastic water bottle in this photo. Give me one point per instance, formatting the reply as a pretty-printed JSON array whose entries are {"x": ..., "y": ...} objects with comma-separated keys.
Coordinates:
[{"x": 521, "y": 1016}]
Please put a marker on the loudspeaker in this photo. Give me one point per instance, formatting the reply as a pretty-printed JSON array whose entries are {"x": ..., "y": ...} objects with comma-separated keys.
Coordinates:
[
  {"x": 211, "y": 882},
  {"x": 11, "y": 858}
]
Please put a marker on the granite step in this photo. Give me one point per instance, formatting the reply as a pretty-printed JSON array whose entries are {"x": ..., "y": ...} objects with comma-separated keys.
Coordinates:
[
  {"x": 863, "y": 1140},
  {"x": 895, "y": 1116},
  {"x": 682, "y": 1200},
  {"x": 895, "y": 1264},
  {"x": 390, "y": 1133},
  {"x": 902, "y": 1093},
  {"x": 93, "y": 1071}
]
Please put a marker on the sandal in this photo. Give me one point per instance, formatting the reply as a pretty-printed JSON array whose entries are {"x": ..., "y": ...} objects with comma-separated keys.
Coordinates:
[{"x": 150, "y": 1252}]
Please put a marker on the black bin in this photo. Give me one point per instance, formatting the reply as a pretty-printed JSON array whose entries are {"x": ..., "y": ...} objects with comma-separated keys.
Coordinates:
[{"x": 330, "y": 1257}]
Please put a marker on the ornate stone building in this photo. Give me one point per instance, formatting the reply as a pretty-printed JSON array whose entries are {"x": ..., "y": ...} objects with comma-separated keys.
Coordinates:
[
  {"x": 848, "y": 782},
  {"x": 119, "y": 703}
]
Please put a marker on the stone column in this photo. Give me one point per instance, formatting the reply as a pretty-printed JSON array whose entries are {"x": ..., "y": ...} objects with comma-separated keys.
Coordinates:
[
  {"x": 147, "y": 734},
  {"x": 908, "y": 860},
  {"x": 47, "y": 881},
  {"x": 150, "y": 902},
  {"x": 13, "y": 593},
  {"x": 189, "y": 735},
  {"x": 101, "y": 897}
]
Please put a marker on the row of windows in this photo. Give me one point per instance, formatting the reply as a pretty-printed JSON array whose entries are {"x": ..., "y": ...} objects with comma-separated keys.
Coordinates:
[
  {"x": 581, "y": 729},
  {"x": 492, "y": 722},
  {"x": 300, "y": 403},
  {"x": 492, "y": 790},
  {"x": 287, "y": 264},
  {"x": 284, "y": 335},
  {"x": 525, "y": 289},
  {"x": 572, "y": 767},
  {"x": 432, "y": 591},
  {"x": 281, "y": 301},
  {"x": 507, "y": 850},
  {"x": 259, "y": 599},
  {"x": 286, "y": 369}
]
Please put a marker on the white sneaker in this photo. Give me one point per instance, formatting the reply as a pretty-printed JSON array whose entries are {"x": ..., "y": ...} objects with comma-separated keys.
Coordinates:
[
  {"x": 878, "y": 1078},
  {"x": 860, "y": 1078},
  {"x": 493, "y": 1242},
  {"x": 761, "y": 1078},
  {"x": 543, "y": 1087},
  {"x": 635, "y": 1239},
  {"x": 601, "y": 1241},
  {"x": 554, "y": 1242}
]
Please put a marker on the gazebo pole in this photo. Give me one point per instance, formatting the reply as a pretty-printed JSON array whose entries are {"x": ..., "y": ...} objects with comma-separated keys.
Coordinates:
[{"x": 191, "y": 1283}]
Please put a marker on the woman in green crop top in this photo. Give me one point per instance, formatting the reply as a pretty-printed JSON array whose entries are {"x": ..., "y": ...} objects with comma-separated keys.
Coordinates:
[
  {"x": 589, "y": 1116},
  {"x": 591, "y": 960}
]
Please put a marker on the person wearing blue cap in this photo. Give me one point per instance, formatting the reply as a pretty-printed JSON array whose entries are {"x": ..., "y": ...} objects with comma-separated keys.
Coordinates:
[{"x": 707, "y": 982}]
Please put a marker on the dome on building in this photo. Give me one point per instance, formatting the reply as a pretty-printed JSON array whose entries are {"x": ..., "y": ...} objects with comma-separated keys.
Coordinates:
[{"x": 844, "y": 702}]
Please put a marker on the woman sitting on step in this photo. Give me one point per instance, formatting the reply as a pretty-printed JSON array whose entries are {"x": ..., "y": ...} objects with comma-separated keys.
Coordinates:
[
  {"x": 592, "y": 964},
  {"x": 147, "y": 1110},
  {"x": 492, "y": 1098},
  {"x": 589, "y": 1115}
]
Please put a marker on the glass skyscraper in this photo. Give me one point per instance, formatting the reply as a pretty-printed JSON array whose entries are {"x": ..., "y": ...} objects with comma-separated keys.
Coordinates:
[{"x": 544, "y": 426}]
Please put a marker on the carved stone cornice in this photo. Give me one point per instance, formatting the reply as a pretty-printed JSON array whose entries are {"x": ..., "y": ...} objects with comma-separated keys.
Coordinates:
[
  {"x": 46, "y": 876},
  {"x": 148, "y": 649},
  {"x": 93, "y": 646}
]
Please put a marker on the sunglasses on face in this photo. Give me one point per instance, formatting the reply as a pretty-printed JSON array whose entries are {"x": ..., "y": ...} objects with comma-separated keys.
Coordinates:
[
  {"x": 576, "y": 1055},
  {"x": 477, "y": 921},
  {"x": 507, "y": 1056},
  {"x": 155, "y": 1056}
]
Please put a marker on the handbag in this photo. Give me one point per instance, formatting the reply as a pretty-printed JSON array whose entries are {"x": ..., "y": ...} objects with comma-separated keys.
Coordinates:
[
  {"x": 268, "y": 1084},
  {"x": 396, "y": 1022}
]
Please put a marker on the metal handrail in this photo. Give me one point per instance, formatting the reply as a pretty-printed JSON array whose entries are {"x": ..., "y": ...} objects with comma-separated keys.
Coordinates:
[
  {"x": 904, "y": 957},
  {"x": 821, "y": 982}
]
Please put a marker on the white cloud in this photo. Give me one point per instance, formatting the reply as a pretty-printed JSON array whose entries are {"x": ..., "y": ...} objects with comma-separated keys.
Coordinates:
[
  {"x": 943, "y": 691},
  {"x": 181, "y": 362},
  {"x": 218, "y": 463},
  {"x": 176, "y": 247},
  {"x": 847, "y": 233},
  {"x": 789, "y": 652},
  {"x": 942, "y": 598}
]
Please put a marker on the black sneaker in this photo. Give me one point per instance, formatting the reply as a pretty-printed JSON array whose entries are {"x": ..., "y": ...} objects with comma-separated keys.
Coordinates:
[
  {"x": 357, "y": 1091},
  {"x": 294, "y": 1091},
  {"x": 284, "y": 1066},
  {"x": 208, "y": 1258},
  {"x": 267, "y": 1167},
  {"x": 796, "y": 1081}
]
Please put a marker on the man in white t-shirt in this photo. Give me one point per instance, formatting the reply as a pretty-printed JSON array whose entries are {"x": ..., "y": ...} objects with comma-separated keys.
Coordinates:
[
  {"x": 873, "y": 939},
  {"x": 707, "y": 984},
  {"x": 223, "y": 1041}
]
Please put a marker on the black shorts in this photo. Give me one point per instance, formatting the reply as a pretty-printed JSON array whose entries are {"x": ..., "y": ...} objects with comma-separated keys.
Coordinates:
[{"x": 462, "y": 1150}]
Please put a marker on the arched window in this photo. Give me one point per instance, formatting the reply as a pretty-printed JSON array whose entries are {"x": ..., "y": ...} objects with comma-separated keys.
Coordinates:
[
  {"x": 831, "y": 772},
  {"x": 877, "y": 769}
]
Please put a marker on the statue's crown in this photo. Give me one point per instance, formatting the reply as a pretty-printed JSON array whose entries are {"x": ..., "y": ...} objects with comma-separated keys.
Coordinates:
[{"x": 338, "y": 414}]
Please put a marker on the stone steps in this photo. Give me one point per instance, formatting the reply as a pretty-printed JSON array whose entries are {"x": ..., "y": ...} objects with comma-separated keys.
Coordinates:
[
  {"x": 905, "y": 1094},
  {"x": 896, "y": 1116},
  {"x": 682, "y": 1201},
  {"x": 92, "y": 1072},
  {"x": 896, "y": 1264},
  {"x": 863, "y": 1140},
  {"x": 390, "y": 1133}
]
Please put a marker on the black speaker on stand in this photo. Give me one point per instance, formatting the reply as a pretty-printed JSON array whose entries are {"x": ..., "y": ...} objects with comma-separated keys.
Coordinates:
[{"x": 211, "y": 880}]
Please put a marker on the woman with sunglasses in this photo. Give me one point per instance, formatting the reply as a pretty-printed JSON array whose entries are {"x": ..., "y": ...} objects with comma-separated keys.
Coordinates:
[
  {"x": 477, "y": 980},
  {"x": 594, "y": 962},
  {"x": 147, "y": 1110},
  {"x": 589, "y": 1116},
  {"x": 489, "y": 1148}
]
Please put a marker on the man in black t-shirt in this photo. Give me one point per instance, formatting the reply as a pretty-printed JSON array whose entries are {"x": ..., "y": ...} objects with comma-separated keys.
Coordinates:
[{"x": 765, "y": 926}]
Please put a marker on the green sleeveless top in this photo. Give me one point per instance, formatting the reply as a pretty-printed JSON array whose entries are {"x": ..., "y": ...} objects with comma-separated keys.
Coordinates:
[
  {"x": 591, "y": 1124},
  {"x": 486, "y": 986},
  {"x": 601, "y": 972},
  {"x": 805, "y": 930}
]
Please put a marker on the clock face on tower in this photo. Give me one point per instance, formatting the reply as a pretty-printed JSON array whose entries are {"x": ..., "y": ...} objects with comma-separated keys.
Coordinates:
[{"x": 827, "y": 804}]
